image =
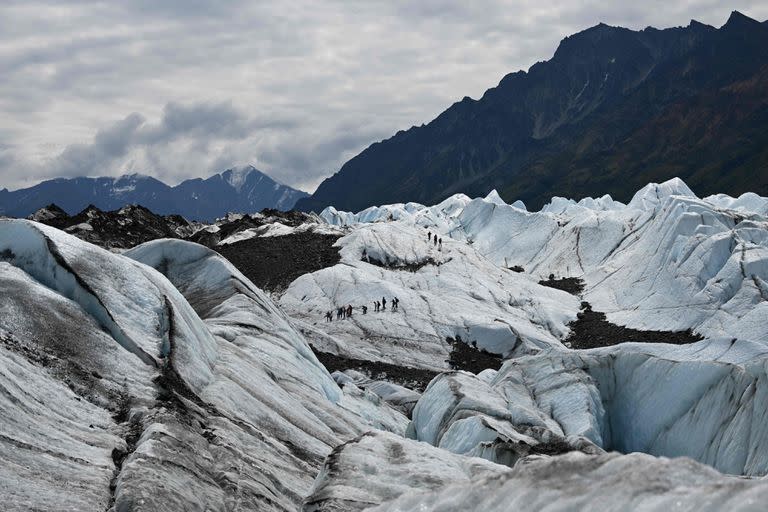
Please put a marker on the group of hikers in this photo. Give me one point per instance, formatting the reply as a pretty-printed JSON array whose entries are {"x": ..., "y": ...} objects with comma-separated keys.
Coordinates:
[
  {"x": 381, "y": 306},
  {"x": 344, "y": 312},
  {"x": 437, "y": 241}
]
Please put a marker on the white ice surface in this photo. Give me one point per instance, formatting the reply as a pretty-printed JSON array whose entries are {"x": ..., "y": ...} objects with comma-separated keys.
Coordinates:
[
  {"x": 577, "y": 482},
  {"x": 378, "y": 466},
  {"x": 706, "y": 401},
  {"x": 193, "y": 373},
  {"x": 665, "y": 261},
  {"x": 443, "y": 292}
]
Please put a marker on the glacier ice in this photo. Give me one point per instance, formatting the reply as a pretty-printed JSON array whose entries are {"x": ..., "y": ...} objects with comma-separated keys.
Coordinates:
[
  {"x": 163, "y": 378},
  {"x": 705, "y": 401},
  {"x": 227, "y": 406},
  {"x": 378, "y": 466},
  {"x": 576, "y": 482},
  {"x": 665, "y": 261},
  {"x": 449, "y": 292}
]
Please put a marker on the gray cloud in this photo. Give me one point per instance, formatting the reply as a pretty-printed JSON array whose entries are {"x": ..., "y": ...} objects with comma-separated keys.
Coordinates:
[
  {"x": 194, "y": 130},
  {"x": 294, "y": 88}
]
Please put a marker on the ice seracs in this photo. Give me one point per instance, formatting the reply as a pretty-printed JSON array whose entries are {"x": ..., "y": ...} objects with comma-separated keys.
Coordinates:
[
  {"x": 164, "y": 378},
  {"x": 127, "y": 378},
  {"x": 704, "y": 401},
  {"x": 576, "y": 482},
  {"x": 378, "y": 467},
  {"x": 667, "y": 260},
  {"x": 444, "y": 291}
]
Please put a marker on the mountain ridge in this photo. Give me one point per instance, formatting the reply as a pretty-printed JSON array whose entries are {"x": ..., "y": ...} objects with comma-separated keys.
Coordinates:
[
  {"x": 567, "y": 125},
  {"x": 238, "y": 189}
]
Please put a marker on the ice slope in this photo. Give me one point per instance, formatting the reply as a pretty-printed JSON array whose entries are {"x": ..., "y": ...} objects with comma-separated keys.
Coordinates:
[
  {"x": 123, "y": 389},
  {"x": 444, "y": 292},
  {"x": 63, "y": 381},
  {"x": 665, "y": 261},
  {"x": 610, "y": 482},
  {"x": 377, "y": 467},
  {"x": 510, "y": 417},
  {"x": 706, "y": 401},
  {"x": 400, "y": 397},
  {"x": 748, "y": 203},
  {"x": 277, "y": 229},
  {"x": 688, "y": 266}
]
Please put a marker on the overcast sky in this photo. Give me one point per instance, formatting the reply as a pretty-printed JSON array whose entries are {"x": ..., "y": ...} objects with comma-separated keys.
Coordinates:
[{"x": 186, "y": 88}]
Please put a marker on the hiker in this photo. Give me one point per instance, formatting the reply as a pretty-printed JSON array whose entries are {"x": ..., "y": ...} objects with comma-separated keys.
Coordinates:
[
  {"x": 349, "y": 311},
  {"x": 435, "y": 239},
  {"x": 377, "y": 306},
  {"x": 365, "y": 309},
  {"x": 440, "y": 244},
  {"x": 383, "y": 303},
  {"x": 394, "y": 303},
  {"x": 429, "y": 236},
  {"x": 328, "y": 316}
]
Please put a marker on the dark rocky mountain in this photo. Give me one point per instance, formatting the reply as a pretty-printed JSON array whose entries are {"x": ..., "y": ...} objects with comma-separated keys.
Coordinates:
[
  {"x": 611, "y": 111},
  {"x": 119, "y": 229},
  {"x": 132, "y": 225},
  {"x": 244, "y": 189}
]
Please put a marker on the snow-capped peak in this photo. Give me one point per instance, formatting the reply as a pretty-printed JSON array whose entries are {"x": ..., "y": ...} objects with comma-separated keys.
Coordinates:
[
  {"x": 126, "y": 183},
  {"x": 237, "y": 176}
]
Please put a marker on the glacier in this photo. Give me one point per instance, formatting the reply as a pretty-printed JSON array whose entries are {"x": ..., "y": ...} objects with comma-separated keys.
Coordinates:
[
  {"x": 163, "y": 378},
  {"x": 189, "y": 392},
  {"x": 665, "y": 261}
]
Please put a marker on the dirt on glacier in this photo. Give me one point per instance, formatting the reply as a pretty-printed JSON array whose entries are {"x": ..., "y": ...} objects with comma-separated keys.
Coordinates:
[
  {"x": 411, "y": 378},
  {"x": 572, "y": 285},
  {"x": 468, "y": 357},
  {"x": 591, "y": 329},
  {"x": 274, "y": 262}
]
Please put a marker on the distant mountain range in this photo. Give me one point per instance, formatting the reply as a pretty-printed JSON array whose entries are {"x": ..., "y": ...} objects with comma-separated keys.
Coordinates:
[
  {"x": 242, "y": 189},
  {"x": 612, "y": 110}
]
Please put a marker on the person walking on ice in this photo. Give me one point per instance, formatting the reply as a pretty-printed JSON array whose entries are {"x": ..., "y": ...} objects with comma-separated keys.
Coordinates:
[
  {"x": 365, "y": 309},
  {"x": 383, "y": 303}
]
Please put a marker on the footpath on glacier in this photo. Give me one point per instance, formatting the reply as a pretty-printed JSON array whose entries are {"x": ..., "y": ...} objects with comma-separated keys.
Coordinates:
[{"x": 163, "y": 377}]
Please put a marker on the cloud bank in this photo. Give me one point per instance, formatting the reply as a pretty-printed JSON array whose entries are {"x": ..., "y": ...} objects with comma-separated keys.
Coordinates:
[{"x": 180, "y": 89}]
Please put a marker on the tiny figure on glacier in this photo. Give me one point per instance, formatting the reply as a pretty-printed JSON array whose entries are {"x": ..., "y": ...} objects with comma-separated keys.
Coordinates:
[
  {"x": 349, "y": 311},
  {"x": 365, "y": 309},
  {"x": 429, "y": 236},
  {"x": 328, "y": 317},
  {"x": 383, "y": 303},
  {"x": 435, "y": 239},
  {"x": 440, "y": 244},
  {"x": 376, "y": 306}
]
